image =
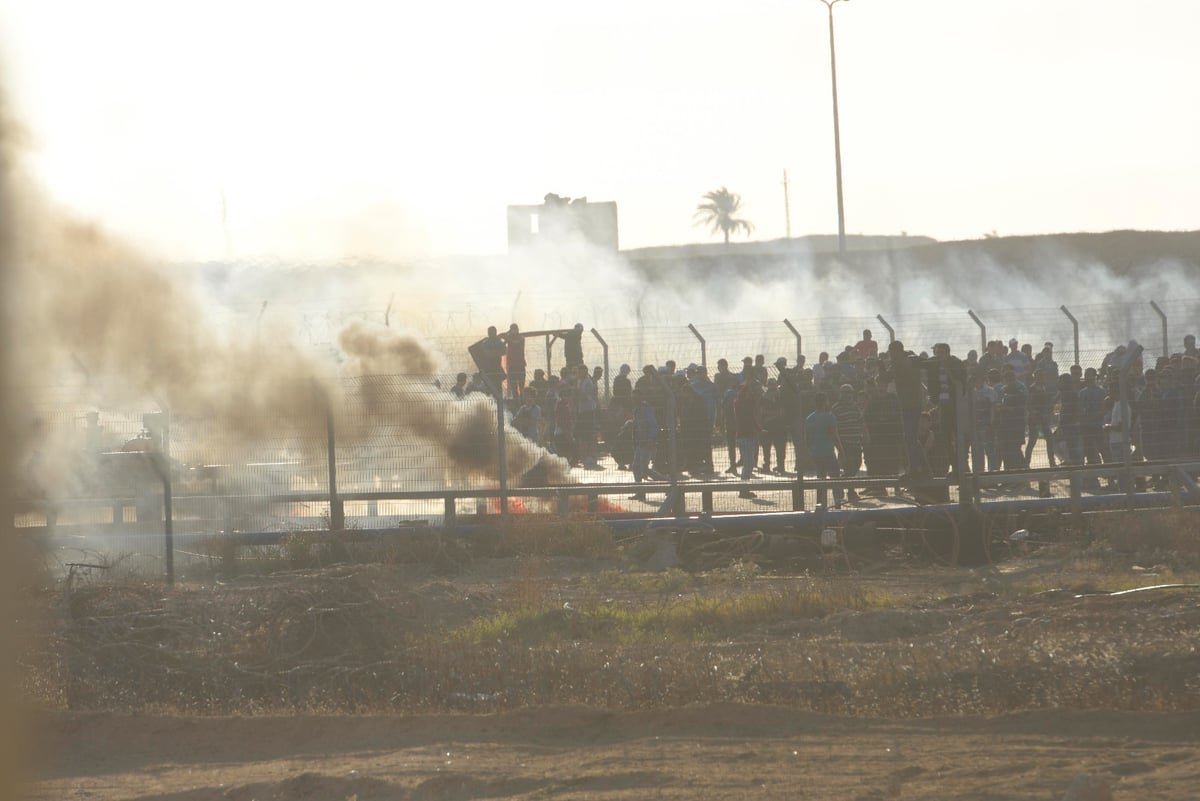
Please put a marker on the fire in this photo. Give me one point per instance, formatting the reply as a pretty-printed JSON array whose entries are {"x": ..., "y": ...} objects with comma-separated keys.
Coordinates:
[
  {"x": 516, "y": 506},
  {"x": 578, "y": 506},
  {"x": 605, "y": 506}
]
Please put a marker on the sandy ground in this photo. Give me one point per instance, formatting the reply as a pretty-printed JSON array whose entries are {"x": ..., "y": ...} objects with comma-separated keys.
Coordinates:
[{"x": 727, "y": 751}]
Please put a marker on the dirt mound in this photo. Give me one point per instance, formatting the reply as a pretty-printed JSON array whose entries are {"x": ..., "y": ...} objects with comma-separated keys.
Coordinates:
[
  {"x": 717, "y": 751},
  {"x": 315, "y": 787}
]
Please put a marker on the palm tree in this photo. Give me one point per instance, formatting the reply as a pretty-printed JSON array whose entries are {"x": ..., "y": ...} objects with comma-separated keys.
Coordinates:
[{"x": 718, "y": 213}]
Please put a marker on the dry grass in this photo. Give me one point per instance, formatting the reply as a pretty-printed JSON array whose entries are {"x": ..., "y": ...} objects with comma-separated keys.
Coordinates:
[
  {"x": 495, "y": 632},
  {"x": 579, "y": 535}
]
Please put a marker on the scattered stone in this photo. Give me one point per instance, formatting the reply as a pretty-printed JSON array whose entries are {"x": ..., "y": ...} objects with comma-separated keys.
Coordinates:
[
  {"x": 1130, "y": 767},
  {"x": 1088, "y": 788},
  {"x": 656, "y": 551}
]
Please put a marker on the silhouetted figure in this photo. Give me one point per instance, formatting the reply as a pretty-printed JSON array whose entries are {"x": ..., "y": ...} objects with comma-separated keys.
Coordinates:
[
  {"x": 945, "y": 379},
  {"x": 821, "y": 431},
  {"x": 573, "y": 345},
  {"x": 867, "y": 347},
  {"x": 884, "y": 450},
  {"x": 514, "y": 361},
  {"x": 587, "y": 406},
  {"x": 747, "y": 413},
  {"x": 852, "y": 434},
  {"x": 906, "y": 375},
  {"x": 488, "y": 353}
]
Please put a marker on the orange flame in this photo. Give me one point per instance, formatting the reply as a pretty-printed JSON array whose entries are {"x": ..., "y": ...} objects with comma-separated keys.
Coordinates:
[{"x": 516, "y": 506}]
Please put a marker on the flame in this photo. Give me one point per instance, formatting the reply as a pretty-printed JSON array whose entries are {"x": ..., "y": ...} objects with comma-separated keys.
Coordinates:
[
  {"x": 516, "y": 506},
  {"x": 578, "y": 506}
]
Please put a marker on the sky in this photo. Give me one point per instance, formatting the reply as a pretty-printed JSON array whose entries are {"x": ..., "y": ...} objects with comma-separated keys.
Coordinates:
[{"x": 320, "y": 130}]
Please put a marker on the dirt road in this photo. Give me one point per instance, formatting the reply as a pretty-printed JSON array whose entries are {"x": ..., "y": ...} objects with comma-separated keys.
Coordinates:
[{"x": 724, "y": 751}]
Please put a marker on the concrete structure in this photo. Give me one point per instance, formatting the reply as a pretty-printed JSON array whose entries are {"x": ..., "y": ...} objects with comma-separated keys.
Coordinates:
[{"x": 559, "y": 219}]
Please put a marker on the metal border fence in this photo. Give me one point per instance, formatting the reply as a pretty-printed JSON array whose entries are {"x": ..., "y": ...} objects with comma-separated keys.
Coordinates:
[{"x": 409, "y": 457}]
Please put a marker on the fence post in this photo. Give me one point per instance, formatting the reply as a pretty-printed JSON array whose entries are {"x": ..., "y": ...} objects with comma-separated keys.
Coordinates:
[
  {"x": 703, "y": 347},
  {"x": 1075, "y": 327},
  {"x": 1163, "y": 316},
  {"x": 501, "y": 454},
  {"x": 891, "y": 331},
  {"x": 337, "y": 517},
  {"x": 549, "y": 346},
  {"x": 982, "y": 331},
  {"x": 162, "y": 466},
  {"x": 964, "y": 429},
  {"x": 1131, "y": 358},
  {"x": 799, "y": 340},
  {"x": 607, "y": 378},
  {"x": 674, "y": 501}
]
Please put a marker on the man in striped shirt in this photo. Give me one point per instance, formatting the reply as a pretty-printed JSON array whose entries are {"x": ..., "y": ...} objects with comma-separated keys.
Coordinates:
[{"x": 852, "y": 433}]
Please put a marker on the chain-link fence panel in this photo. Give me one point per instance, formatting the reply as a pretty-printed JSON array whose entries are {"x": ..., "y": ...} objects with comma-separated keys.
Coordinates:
[
  {"x": 350, "y": 445},
  {"x": 919, "y": 332},
  {"x": 735, "y": 341},
  {"x": 1183, "y": 319}
]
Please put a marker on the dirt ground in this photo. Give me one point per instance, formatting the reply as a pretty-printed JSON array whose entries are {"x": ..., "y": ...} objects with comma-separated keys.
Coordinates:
[
  {"x": 1005, "y": 682},
  {"x": 723, "y": 751}
]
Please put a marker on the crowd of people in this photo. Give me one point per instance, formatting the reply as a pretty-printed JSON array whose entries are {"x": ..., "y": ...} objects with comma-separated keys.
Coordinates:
[{"x": 865, "y": 410}]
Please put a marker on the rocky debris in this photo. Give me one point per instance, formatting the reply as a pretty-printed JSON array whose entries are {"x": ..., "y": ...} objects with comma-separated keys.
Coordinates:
[
  {"x": 1088, "y": 788},
  {"x": 656, "y": 551}
]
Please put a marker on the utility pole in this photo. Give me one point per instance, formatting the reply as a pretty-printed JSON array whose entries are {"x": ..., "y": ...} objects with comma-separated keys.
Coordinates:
[
  {"x": 787, "y": 211},
  {"x": 837, "y": 138}
]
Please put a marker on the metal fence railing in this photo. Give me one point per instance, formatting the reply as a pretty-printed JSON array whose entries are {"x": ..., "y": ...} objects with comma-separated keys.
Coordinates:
[
  {"x": 1099, "y": 328},
  {"x": 378, "y": 451}
]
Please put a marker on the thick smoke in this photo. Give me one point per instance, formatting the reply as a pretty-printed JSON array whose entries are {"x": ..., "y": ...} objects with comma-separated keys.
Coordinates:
[
  {"x": 15, "y": 561},
  {"x": 396, "y": 368},
  {"x": 137, "y": 334},
  {"x": 121, "y": 330},
  {"x": 639, "y": 300}
]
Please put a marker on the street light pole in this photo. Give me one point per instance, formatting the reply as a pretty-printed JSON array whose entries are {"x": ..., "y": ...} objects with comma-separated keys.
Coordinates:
[{"x": 837, "y": 136}]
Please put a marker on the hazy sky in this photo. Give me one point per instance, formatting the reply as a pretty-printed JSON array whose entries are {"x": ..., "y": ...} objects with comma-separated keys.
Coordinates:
[{"x": 391, "y": 129}]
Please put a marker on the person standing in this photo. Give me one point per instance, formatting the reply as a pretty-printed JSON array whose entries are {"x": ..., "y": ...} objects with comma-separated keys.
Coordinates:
[
  {"x": 729, "y": 413},
  {"x": 620, "y": 408},
  {"x": 586, "y": 406},
  {"x": 1010, "y": 421},
  {"x": 564, "y": 424},
  {"x": 946, "y": 377},
  {"x": 723, "y": 381},
  {"x": 906, "y": 375},
  {"x": 774, "y": 428},
  {"x": 747, "y": 414},
  {"x": 867, "y": 347},
  {"x": 983, "y": 440},
  {"x": 514, "y": 361},
  {"x": 573, "y": 345},
  {"x": 821, "y": 430},
  {"x": 1042, "y": 396},
  {"x": 852, "y": 435},
  {"x": 528, "y": 417},
  {"x": 1118, "y": 424},
  {"x": 1091, "y": 423},
  {"x": 488, "y": 354},
  {"x": 792, "y": 406},
  {"x": 645, "y": 435},
  {"x": 622, "y": 391},
  {"x": 707, "y": 393},
  {"x": 1068, "y": 419},
  {"x": 760, "y": 369},
  {"x": 1017, "y": 359},
  {"x": 1045, "y": 361}
]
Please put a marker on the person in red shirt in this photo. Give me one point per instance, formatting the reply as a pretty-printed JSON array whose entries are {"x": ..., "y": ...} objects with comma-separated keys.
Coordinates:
[{"x": 867, "y": 348}]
